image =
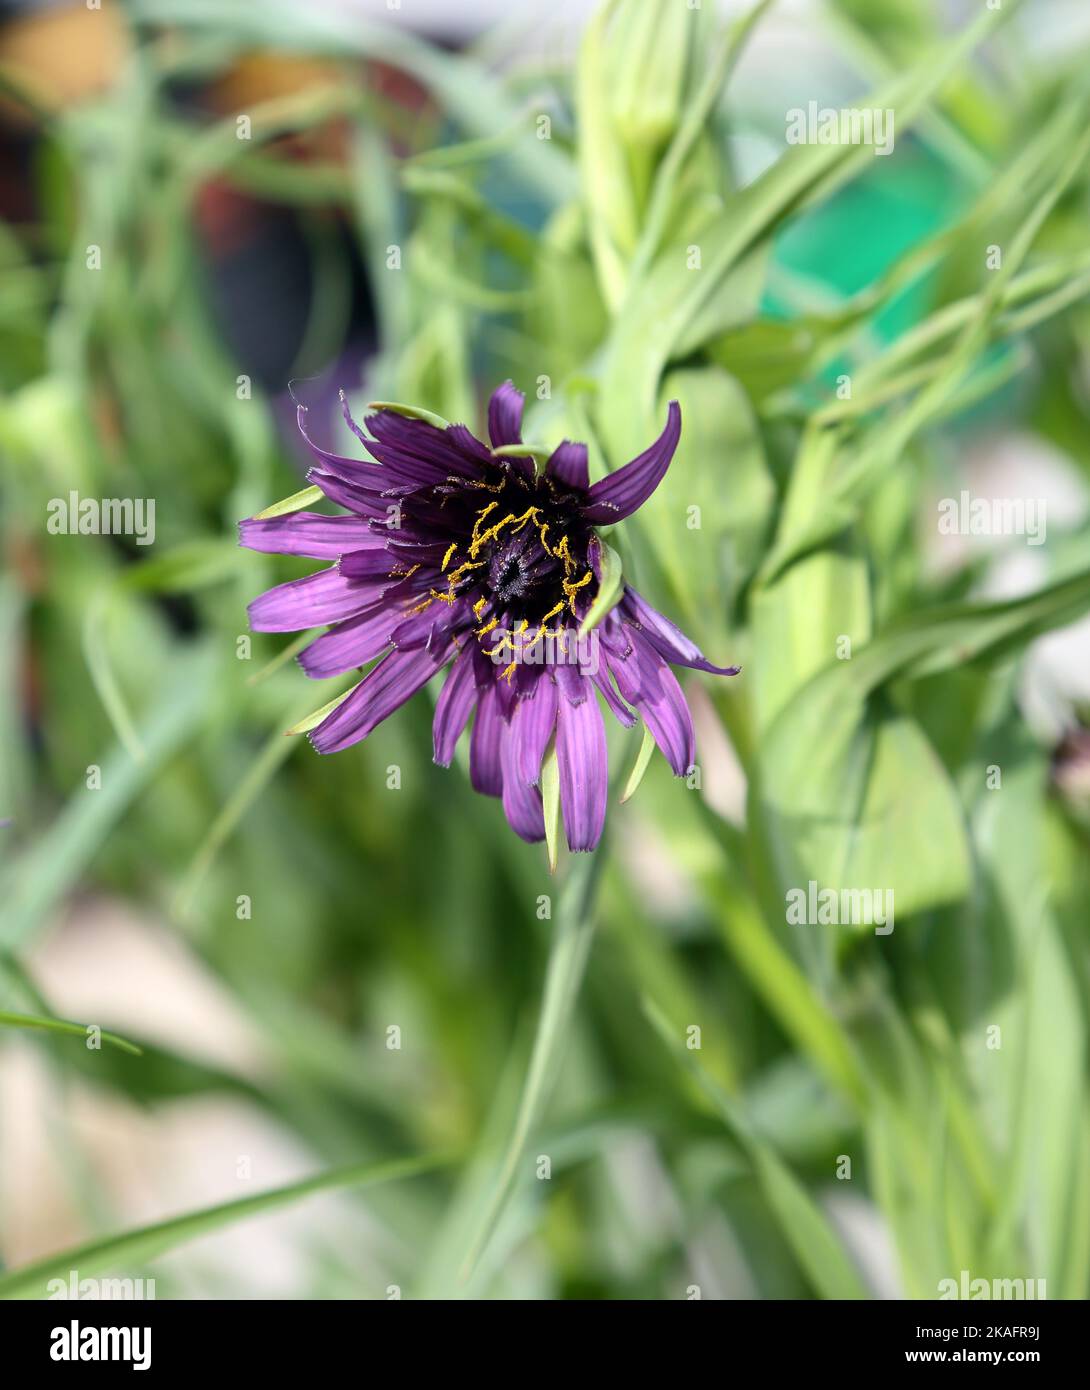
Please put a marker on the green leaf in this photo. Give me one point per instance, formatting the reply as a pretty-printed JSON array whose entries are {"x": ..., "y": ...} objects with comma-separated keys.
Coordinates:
[
  {"x": 801, "y": 1222},
  {"x": 35, "y": 883},
  {"x": 872, "y": 808},
  {"x": 648, "y": 55},
  {"x": 522, "y": 451},
  {"x": 95, "y": 641},
  {"x": 1037, "y": 1075},
  {"x": 411, "y": 412},
  {"x": 695, "y": 118},
  {"x": 850, "y": 791},
  {"x": 550, "y": 798},
  {"x": 261, "y": 770},
  {"x": 466, "y": 89},
  {"x": 282, "y": 657},
  {"x": 785, "y": 990},
  {"x": 603, "y": 166},
  {"x": 660, "y": 311},
  {"x": 610, "y": 590},
  {"x": 799, "y": 621},
  {"x": 706, "y": 521},
  {"x": 183, "y": 569},
  {"x": 312, "y": 721},
  {"x": 295, "y": 503},
  {"x": 60, "y": 1025},
  {"x": 861, "y": 466},
  {"x": 643, "y": 758},
  {"x": 137, "y": 1247},
  {"x": 573, "y": 931}
]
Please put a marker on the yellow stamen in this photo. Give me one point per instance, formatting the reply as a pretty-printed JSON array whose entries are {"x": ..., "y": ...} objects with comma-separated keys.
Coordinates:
[
  {"x": 446, "y": 557},
  {"x": 559, "y": 608},
  {"x": 518, "y": 522},
  {"x": 455, "y": 575},
  {"x": 476, "y": 524},
  {"x": 571, "y": 589}
]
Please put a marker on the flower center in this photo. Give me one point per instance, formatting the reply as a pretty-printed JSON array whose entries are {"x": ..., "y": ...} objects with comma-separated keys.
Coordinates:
[
  {"x": 507, "y": 576},
  {"x": 523, "y": 555},
  {"x": 530, "y": 568}
]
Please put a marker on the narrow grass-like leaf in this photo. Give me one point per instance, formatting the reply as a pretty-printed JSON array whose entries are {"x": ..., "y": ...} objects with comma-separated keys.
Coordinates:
[
  {"x": 573, "y": 930},
  {"x": 522, "y": 451},
  {"x": 275, "y": 752},
  {"x": 791, "y": 998},
  {"x": 312, "y": 721},
  {"x": 61, "y": 1025},
  {"x": 839, "y": 792},
  {"x": 643, "y": 758},
  {"x": 550, "y": 798},
  {"x": 410, "y": 412},
  {"x": 610, "y": 590},
  {"x": 32, "y": 885},
  {"x": 282, "y": 657},
  {"x": 107, "y": 686},
  {"x": 137, "y": 1247},
  {"x": 801, "y": 1222},
  {"x": 295, "y": 503}
]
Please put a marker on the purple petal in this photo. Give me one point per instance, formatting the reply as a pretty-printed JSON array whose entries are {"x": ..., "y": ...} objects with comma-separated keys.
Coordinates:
[
  {"x": 375, "y": 563},
  {"x": 410, "y": 453},
  {"x": 507, "y": 694},
  {"x": 581, "y": 755},
  {"x": 346, "y": 411},
  {"x": 362, "y": 472},
  {"x": 433, "y": 625},
  {"x": 572, "y": 683},
  {"x": 669, "y": 641},
  {"x": 646, "y": 681},
  {"x": 349, "y": 644},
  {"x": 629, "y": 487},
  {"x": 397, "y": 677},
  {"x": 454, "y": 706},
  {"x": 568, "y": 465},
  {"x": 521, "y": 803},
  {"x": 613, "y": 700},
  {"x": 417, "y": 550},
  {"x": 307, "y": 533},
  {"x": 320, "y": 598},
  {"x": 468, "y": 444},
  {"x": 418, "y": 453},
  {"x": 505, "y": 416},
  {"x": 485, "y": 742},
  {"x": 532, "y": 726},
  {"x": 362, "y": 501}
]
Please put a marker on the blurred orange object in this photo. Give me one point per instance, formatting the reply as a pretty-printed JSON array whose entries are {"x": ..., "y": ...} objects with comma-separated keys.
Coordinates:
[
  {"x": 259, "y": 77},
  {"x": 61, "y": 56}
]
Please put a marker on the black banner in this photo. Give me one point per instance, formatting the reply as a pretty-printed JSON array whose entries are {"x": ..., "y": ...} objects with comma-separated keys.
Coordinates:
[{"x": 146, "y": 1338}]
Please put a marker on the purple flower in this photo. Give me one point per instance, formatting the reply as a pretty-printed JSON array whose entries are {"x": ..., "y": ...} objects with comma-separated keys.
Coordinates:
[{"x": 451, "y": 551}]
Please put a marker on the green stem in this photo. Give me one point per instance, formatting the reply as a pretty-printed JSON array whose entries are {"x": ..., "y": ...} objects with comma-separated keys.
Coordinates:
[{"x": 564, "y": 973}]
